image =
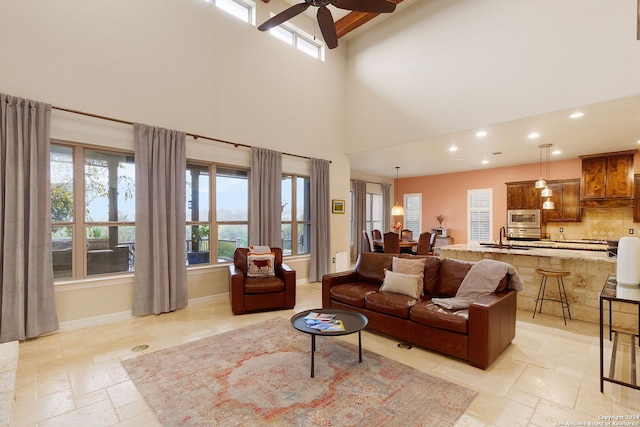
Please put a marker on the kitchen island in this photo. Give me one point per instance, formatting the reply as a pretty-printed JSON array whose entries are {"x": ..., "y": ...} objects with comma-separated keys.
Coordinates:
[{"x": 589, "y": 269}]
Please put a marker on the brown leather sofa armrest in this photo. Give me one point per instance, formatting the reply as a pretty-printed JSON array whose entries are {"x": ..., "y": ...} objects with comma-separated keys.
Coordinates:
[
  {"x": 288, "y": 276},
  {"x": 236, "y": 289},
  {"x": 492, "y": 327},
  {"x": 332, "y": 279}
]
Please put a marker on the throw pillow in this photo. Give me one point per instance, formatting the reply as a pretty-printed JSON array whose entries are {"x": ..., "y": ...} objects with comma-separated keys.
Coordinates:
[
  {"x": 260, "y": 265},
  {"x": 410, "y": 266},
  {"x": 406, "y": 284}
]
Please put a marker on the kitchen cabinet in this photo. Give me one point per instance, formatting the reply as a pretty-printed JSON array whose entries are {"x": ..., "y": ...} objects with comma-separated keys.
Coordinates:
[
  {"x": 608, "y": 180},
  {"x": 566, "y": 197},
  {"x": 636, "y": 207},
  {"x": 523, "y": 195}
]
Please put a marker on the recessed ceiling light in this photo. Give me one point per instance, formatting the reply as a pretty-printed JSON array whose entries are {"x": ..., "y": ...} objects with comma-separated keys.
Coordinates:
[
  {"x": 484, "y": 162},
  {"x": 453, "y": 148},
  {"x": 577, "y": 115},
  {"x": 481, "y": 133},
  {"x": 533, "y": 135},
  {"x": 556, "y": 152}
]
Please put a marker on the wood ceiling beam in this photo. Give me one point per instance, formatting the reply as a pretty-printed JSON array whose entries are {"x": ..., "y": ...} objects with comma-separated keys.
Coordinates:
[{"x": 353, "y": 20}]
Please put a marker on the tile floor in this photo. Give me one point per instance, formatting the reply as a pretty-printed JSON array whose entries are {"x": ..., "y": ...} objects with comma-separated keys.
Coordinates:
[{"x": 549, "y": 375}]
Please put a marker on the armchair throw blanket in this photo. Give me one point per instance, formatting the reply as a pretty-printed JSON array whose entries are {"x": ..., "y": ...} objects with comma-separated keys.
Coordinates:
[{"x": 482, "y": 279}]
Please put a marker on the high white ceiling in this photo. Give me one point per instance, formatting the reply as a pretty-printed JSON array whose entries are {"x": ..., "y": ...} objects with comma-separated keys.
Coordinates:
[
  {"x": 432, "y": 75},
  {"x": 605, "y": 127}
]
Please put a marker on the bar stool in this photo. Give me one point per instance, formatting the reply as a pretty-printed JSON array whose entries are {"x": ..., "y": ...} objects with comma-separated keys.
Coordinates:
[{"x": 559, "y": 275}]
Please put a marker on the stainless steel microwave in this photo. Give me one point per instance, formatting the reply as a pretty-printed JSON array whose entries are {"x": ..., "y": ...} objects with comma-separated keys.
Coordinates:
[{"x": 523, "y": 218}]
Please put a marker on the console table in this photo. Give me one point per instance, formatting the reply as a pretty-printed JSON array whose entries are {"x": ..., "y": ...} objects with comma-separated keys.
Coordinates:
[{"x": 610, "y": 294}]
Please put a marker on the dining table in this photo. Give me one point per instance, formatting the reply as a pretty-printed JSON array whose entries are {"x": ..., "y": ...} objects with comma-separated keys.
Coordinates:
[{"x": 413, "y": 244}]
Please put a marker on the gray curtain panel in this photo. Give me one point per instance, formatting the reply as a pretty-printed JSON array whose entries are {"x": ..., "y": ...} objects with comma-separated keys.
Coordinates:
[
  {"x": 161, "y": 246},
  {"x": 386, "y": 208},
  {"x": 359, "y": 216},
  {"x": 26, "y": 282},
  {"x": 265, "y": 218},
  {"x": 320, "y": 208}
]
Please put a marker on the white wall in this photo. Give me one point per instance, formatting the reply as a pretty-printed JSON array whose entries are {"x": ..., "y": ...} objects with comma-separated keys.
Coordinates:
[
  {"x": 179, "y": 64},
  {"x": 444, "y": 66}
]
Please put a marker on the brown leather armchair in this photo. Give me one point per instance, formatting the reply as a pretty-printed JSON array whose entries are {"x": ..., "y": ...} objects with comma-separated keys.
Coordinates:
[{"x": 249, "y": 294}]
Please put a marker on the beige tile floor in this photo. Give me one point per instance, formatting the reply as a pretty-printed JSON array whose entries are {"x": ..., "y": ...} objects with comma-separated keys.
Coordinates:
[{"x": 549, "y": 375}]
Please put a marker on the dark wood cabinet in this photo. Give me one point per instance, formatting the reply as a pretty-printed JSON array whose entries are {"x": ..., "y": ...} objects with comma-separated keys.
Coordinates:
[
  {"x": 636, "y": 207},
  {"x": 566, "y": 197},
  {"x": 523, "y": 195},
  {"x": 608, "y": 180}
]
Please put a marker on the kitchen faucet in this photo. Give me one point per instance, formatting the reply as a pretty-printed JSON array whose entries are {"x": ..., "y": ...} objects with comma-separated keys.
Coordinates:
[{"x": 502, "y": 230}]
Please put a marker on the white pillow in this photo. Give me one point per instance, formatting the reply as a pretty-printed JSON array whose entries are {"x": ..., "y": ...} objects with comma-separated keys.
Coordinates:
[
  {"x": 260, "y": 265},
  {"x": 410, "y": 266},
  {"x": 406, "y": 284}
]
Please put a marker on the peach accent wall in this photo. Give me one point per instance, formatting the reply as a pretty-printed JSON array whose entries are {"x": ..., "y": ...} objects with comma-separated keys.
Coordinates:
[{"x": 447, "y": 194}]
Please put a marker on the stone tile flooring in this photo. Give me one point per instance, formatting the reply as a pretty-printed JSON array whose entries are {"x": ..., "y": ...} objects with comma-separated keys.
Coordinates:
[{"x": 550, "y": 373}]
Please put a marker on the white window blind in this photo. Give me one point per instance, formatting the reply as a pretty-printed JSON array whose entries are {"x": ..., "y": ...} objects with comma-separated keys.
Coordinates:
[
  {"x": 413, "y": 213},
  {"x": 479, "y": 214}
]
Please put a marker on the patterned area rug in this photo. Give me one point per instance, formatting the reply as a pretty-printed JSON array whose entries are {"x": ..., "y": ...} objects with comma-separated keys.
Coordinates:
[{"x": 260, "y": 374}]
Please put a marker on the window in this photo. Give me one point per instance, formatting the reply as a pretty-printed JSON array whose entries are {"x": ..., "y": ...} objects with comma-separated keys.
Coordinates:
[
  {"x": 374, "y": 212},
  {"x": 62, "y": 231},
  {"x": 109, "y": 189},
  {"x": 232, "y": 211},
  {"x": 197, "y": 215},
  {"x": 244, "y": 10},
  {"x": 413, "y": 213},
  {"x": 296, "y": 215},
  {"x": 92, "y": 211},
  {"x": 302, "y": 41},
  {"x": 479, "y": 215}
]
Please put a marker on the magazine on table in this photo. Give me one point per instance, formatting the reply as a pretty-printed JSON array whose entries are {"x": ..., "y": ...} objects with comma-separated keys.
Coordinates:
[{"x": 323, "y": 322}]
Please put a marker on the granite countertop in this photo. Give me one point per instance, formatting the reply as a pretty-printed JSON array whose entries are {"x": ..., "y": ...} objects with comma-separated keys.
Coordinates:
[{"x": 537, "y": 251}]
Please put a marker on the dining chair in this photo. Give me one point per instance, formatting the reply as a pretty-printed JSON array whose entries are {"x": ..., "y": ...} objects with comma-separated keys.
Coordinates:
[
  {"x": 406, "y": 234},
  {"x": 432, "y": 243},
  {"x": 424, "y": 243},
  {"x": 377, "y": 235},
  {"x": 391, "y": 243},
  {"x": 366, "y": 243}
]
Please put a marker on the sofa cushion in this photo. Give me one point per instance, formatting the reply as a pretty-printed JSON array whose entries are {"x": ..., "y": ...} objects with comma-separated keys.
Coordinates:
[
  {"x": 450, "y": 276},
  {"x": 394, "y": 304},
  {"x": 435, "y": 316},
  {"x": 260, "y": 285},
  {"x": 414, "y": 266},
  {"x": 406, "y": 284},
  {"x": 370, "y": 266},
  {"x": 353, "y": 293}
]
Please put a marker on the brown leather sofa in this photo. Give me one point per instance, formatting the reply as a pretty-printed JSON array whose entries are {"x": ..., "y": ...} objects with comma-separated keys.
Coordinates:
[
  {"x": 477, "y": 335},
  {"x": 250, "y": 294}
]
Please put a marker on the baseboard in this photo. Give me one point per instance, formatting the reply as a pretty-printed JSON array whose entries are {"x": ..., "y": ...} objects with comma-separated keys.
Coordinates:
[
  {"x": 105, "y": 319},
  {"x": 73, "y": 325}
]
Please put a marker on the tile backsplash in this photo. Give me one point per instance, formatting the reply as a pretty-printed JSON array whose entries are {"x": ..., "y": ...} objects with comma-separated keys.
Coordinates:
[{"x": 597, "y": 224}]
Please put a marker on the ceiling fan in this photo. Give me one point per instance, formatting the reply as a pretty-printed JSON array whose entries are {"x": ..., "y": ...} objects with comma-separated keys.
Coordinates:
[{"x": 325, "y": 19}]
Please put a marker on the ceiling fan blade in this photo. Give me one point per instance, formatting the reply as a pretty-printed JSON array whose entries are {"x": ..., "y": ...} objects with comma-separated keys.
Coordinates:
[
  {"x": 327, "y": 27},
  {"x": 283, "y": 16},
  {"x": 377, "y": 6}
]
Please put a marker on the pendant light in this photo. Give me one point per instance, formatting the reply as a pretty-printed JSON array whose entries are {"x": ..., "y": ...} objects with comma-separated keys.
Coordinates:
[
  {"x": 547, "y": 192},
  {"x": 541, "y": 183},
  {"x": 397, "y": 209}
]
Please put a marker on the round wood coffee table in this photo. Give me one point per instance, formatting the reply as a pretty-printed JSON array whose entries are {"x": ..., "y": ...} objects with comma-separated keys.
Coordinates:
[{"x": 352, "y": 320}]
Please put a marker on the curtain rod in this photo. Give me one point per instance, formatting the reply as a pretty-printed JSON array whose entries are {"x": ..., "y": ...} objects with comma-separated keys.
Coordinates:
[
  {"x": 193, "y": 135},
  {"x": 371, "y": 182}
]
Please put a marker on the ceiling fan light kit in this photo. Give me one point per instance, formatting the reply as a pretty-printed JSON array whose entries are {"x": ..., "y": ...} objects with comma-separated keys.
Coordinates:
[{"x": 324, "y": 17}]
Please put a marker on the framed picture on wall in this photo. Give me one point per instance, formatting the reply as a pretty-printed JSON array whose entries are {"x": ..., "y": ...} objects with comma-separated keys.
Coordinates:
[{"x": 337, "y": 206}]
